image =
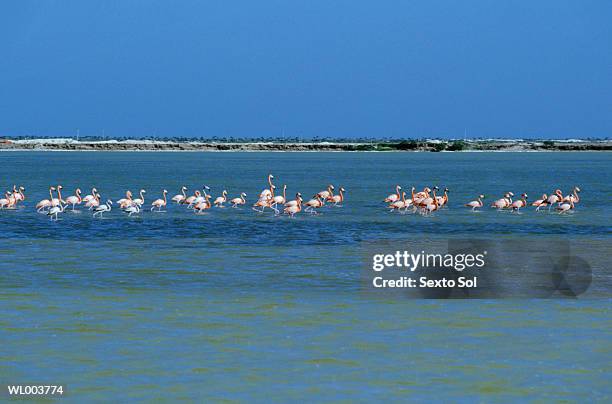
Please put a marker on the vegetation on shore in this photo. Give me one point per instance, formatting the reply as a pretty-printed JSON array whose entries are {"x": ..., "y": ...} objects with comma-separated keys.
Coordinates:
[{"x": 297, "y": 144}]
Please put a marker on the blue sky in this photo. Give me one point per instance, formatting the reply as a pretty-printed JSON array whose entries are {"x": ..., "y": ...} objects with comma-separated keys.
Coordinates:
[{"x": 307, "y": 68}]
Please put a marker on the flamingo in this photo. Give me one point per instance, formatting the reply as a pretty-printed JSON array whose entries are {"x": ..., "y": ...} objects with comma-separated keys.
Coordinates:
[
  {"x": 538, "y": 203},
  {"x": 74, "y": 199},
  {"x": 427, "y": 200},
  {"x": 55, "y": 211},
  {"x": 190, "y": 200},
  {"x": 6, "y": 201},
  {"x": 516, "y": 205},
  {"x": 18, "y": 194},
  {"x": 99, "y": 210},
  {"x": 326, "y": 193},
  {"x": 125, "y": 202},
  {"x": 294, "y": 208},
  {"x": 504, "y": 202},
  {"x": 132, "y": 209},
  {"x": 220, "y": 200},
  {"x": 45, "y": 203},
  {"x": 476, "y": 204},
  {"x": 554, "y": 198},
  {"x": 420, "y": 197},
  {"x": 202, "y": 206},
  {"x": 266, "y": 201},
  {"x": 442, "y": 200},
  {"x": 565, "y": 207},
  {"x": 399, "y": 204},
  {"x": 57, "y": 201},
  {"x": 90, "y": 196},
  {"x": 159, "y": 203},
  {"x": 238, "y": 201},
  {"x": 434, "y": 205},
  {"x": 140, "y": 201},
  {"x": 573, "y": 197},
  {"x": 336, "y": 199},
  {"x": 199, "y": 198},
  {"x": 269, "y": 190},
  {"x": 278, "y": 199},
  {"x": 180, "y": 198},
  {"x": 394, "y": 197},
  {"x": 95, "y": 202},
  {"x": 313, "y": 204}
]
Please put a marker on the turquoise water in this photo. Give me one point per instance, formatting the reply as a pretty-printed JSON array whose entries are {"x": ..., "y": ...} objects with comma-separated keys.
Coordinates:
[{"x": 242, "y": 306}]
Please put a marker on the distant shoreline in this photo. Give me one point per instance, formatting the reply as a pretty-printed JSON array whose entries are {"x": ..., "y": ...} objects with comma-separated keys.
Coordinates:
[{"x": 51, "y": 144}]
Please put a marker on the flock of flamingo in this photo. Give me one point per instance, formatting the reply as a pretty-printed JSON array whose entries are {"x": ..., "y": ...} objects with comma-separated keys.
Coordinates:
[
  {"x": 426, "y": 201},
  {"x": 199, "y": 202}
]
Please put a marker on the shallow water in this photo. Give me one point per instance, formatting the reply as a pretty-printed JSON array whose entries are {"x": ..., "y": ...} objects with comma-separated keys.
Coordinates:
[{"x": 234, "y": 304}]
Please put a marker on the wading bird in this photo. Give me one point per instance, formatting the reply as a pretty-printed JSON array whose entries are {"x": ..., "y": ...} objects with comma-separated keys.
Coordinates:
[
  {"x": 239, "y": 201},
  {"x": 54, "y": 211},
  {"x": 220, "y": 200},
  {"x": 554, "y": 198},
  {"x": 314, "y": 204},
  {"x": 565, "y": 207},
  {"x": 476, "y": 204},
  {"x": 294, "y": 208},
  {"x": 180, "y": 198},
  {"x": 394, "y": 197},
  {"x": 337, "y": 199},
  {"x": 504, "y": 202},
  {"x": 159, "y": 203},
  {"x": 74, "y": 199},
  {"x": 45, "y": 203},
  {"x": 521, "y": 203},
  {"x": 99, "y": 210}
]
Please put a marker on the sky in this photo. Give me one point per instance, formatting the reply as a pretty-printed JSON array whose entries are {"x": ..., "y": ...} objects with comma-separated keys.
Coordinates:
[{"x": 511, "y": 69}]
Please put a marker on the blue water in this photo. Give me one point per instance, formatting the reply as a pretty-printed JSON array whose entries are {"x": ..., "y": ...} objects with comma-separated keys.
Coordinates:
[{"x": 243, "y": 306}]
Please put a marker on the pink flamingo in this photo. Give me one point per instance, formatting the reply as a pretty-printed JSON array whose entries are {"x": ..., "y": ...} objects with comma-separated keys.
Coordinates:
[
  {"x": 220, "y": 200},
  {"x": 521, "y": 203},
  {"x": 57, "y": 201},
  {"x": 180, "y": 198},
  {"x": 45, "y": 203},
  {"x": 74, "y": 199},
  {"x": 554, "y": 198},
  {"x": 140, "y": 201},
  {"x": 238, "y": 201},
  {"x": 565, "y": 207},
  {"x": 326, "y": 193},
  {"x": 399, "y": 204},
  {"x": 294, "y": 208},
  {"x": 573, "y": 197},
  {"x": 313, "y": 204},
  {"x": 476, "y": 204},
  {"x": 394, "y": 197},
  {"x": 6, "y": 201},
  {"x": 504, "y": 202},
  {"x": 336, "y": 199},
  {"x": 159, "y": 203},
  {"x": 539, "y": 203}
]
